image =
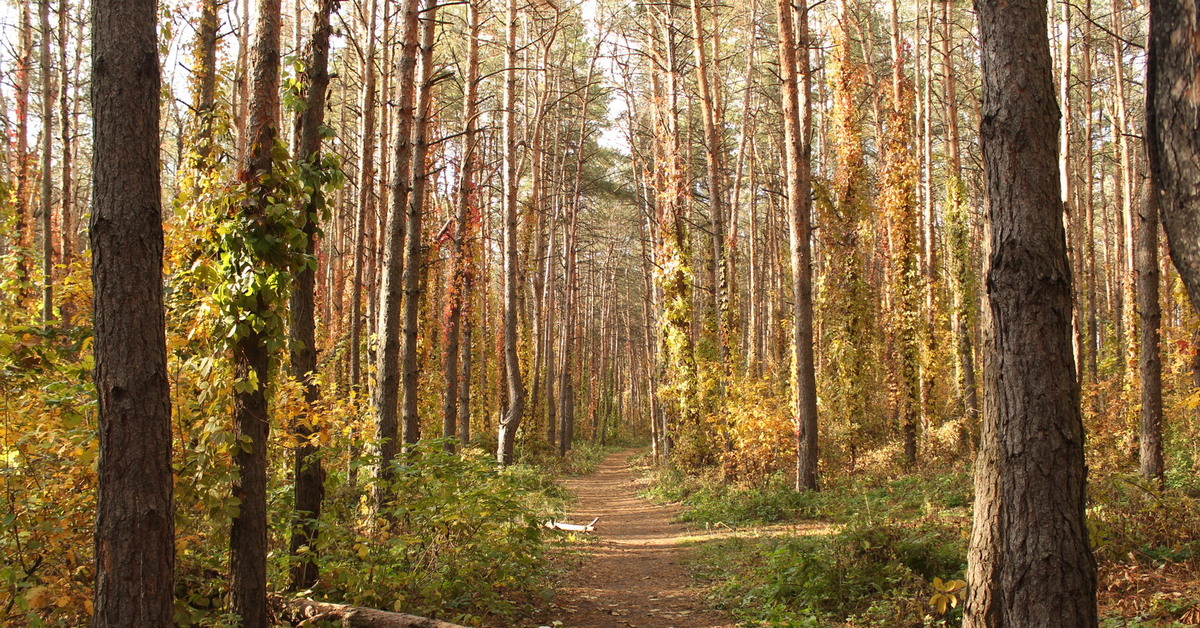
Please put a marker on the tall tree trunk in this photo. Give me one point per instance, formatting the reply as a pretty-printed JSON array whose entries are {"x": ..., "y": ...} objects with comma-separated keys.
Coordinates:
[
  {"x": 135, "y": 530},
  {"x": 309, "y": 476},
  {"x": 716, "y": 184},
  {"x": 385, "y": 400},
  {"x": 899, "y": 189},
  {"x": 958, "y": 235},
  {"x": 463, "y": 204},
  {"x": 24, "y": 61},
  {"x": 413, "y": 265},
  {"x": 46, "y": 208},
  {"x": 516, "y": 390},
  {"x": 1145, "y": 255},
  {"x": 1091, "y": 346},
  {"x": 66, "y": 202},
  {"x": 366, "y": 198},
  {"x": 1035, "y": 537},
  {"x": 251, "y": 357},
  {"x": 1172, "y": 125},
  {"x": 205, "y": 81},
  {"x": 1127, "y": 322},
  {"x": 797, "y": 131}
]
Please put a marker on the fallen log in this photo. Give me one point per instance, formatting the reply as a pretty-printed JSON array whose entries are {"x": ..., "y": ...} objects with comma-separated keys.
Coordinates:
[
  {"x": 309, "y": 613},
  {"x": 573, "y": 527}
]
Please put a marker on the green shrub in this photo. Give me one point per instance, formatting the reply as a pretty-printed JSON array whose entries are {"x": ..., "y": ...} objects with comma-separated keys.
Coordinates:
[
  {"x": 874, "y": 573},
  {"x": 461, "y": 540}
]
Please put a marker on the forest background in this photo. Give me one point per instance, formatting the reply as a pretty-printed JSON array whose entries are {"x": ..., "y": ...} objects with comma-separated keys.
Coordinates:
[{"x": 513, "y": 228}]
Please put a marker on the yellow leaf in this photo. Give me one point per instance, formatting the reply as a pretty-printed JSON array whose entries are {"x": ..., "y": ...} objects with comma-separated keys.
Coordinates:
[{"x": 36, "y": 597}]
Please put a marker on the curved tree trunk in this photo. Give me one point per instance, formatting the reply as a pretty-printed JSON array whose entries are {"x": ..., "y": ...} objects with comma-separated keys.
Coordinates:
[{"x": 1172, "y": 125}]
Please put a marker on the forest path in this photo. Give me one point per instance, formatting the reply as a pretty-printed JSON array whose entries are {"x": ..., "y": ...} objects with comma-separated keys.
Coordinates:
[{"x": 632, "y": 576}]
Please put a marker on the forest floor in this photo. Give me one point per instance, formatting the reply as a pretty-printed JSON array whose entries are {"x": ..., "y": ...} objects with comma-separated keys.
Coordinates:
[{"x": 632, "y": 575}]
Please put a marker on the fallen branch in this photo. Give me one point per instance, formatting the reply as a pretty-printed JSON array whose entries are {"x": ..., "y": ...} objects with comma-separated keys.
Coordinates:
[
  {"x": 309, "y": 613},
  {"x": 573, "y": 527}
]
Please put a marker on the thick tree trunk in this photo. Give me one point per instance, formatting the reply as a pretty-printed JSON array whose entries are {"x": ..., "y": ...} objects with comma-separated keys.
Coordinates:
[
  {"x": 309, "y": 476},
  {"x": 251, "y": 359},
  {"x": 1032, "y": 564},
  {"x": 135, "y": 532},
  {"x": 797, "y": 130},
  {"x": 1172, "y": 125}
]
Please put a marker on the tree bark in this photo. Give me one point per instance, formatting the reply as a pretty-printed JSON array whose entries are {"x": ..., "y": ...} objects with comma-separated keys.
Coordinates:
[
  {"x": 516, "y": 390},
  {"x": 135, "y": 532},
  {"x": 1031, "y": 561},
  {"x": 251, "y": 359},
  {"x": 463, "y": 204},
  {"x": 385, "y": 400},
  {"x": 66, "y": 204},
  {"x": 46, "y": 207},
  {"x": 366, "y": 199},
  {"x": 1172, "y": 125},
  {"x": 24, "y": 236},
  {"x": 797, "y": 130},
  {"x": 309, "y": 476},
  {"x": 413, "y": 265},
  {"x": 1145, "y": 255}
]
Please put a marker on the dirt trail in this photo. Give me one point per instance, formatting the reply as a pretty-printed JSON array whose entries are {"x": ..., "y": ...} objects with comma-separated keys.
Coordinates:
[{"x": 632, "y": 576}]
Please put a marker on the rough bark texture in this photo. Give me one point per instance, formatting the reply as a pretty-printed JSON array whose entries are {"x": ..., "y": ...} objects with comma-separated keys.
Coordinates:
[
  {"x": 1172, "y": 125},
  {"x": 205, "y": 77},
  {"x": 46, "y": 207},
  {"x": 135, "y": 520},
  {"x": 1145, "y": 258},
  {"x": 309, "y": 476},
  {"x": 24, "y": 59},
  {"x": 797, "y": 131},
  {"x": 1030, "y": 544},
  {"x": 413, "y": 230},
  {"x": 248, "y": 534},
  {"x": 135, "y": 532},
  {"x": 385, "y": 400}
]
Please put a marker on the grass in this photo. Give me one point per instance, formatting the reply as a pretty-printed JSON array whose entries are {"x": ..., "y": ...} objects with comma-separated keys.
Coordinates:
[{"x": 887, "y": 539}]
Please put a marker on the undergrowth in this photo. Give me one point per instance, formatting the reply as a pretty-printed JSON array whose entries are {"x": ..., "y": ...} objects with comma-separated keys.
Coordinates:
[{"x": 891, "y": 550}]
